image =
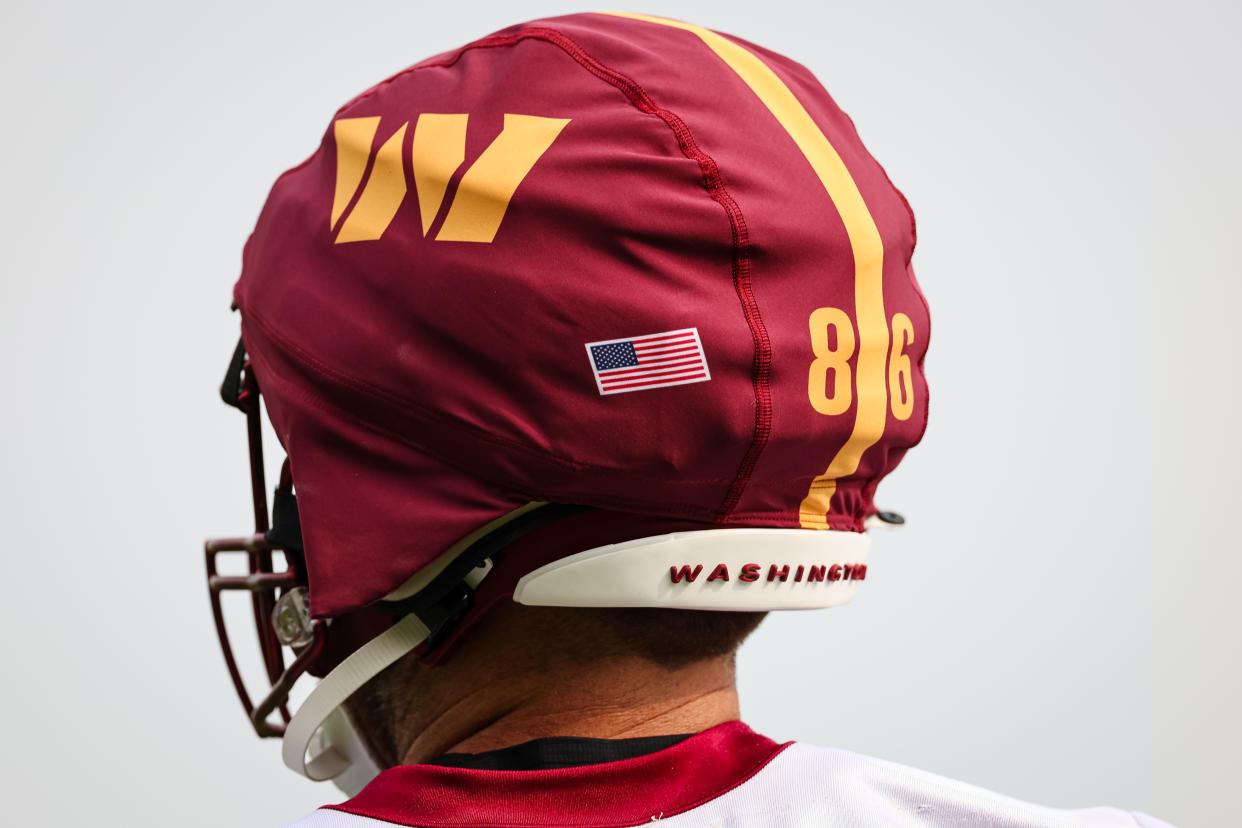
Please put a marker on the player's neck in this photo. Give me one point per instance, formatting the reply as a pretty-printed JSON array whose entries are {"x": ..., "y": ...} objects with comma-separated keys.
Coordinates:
[{"x": 619, "y": 698}]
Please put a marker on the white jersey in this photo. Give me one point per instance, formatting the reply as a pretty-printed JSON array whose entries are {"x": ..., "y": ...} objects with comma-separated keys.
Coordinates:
[{"x": 726, "y": 777}]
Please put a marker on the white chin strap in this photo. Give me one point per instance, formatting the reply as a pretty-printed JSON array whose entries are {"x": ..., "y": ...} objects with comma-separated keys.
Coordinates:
[
  {"x": 715, "y": 569},
  {"x": 321, "y": 717}
]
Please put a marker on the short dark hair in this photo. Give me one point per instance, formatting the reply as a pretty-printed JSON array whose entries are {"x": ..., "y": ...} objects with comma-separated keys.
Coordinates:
[{"x": 669, "y": 638}]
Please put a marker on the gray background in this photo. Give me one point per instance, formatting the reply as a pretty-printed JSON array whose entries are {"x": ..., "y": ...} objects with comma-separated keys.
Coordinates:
[{"x": 1058, "y": 621}]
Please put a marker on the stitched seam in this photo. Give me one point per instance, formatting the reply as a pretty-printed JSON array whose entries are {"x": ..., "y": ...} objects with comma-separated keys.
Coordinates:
[{"x": 714, "y": 183}]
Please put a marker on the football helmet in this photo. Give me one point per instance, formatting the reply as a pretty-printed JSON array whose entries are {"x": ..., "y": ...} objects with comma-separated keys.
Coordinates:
[{"x": 598, "y": 311}]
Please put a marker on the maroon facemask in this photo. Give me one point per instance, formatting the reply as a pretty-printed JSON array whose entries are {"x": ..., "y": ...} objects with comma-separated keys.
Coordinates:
[{"x": 278, "y": 596}]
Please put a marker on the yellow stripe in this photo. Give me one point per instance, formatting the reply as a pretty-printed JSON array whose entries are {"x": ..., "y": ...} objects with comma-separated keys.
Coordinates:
[
  {"x": 868, "y": 249},
  {"x": 381, "y": 195},
  {"x": 353, "y": 138},
  {"x": 438, "y": 150},
  {"x": 487, "y": 187}
]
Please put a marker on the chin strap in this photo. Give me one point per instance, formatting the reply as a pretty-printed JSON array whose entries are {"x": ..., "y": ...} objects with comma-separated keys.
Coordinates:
[
  {"x": 356, "y": 670},
  {"x": 714, "y": 569},
  {"x": 321, "y": 721}
]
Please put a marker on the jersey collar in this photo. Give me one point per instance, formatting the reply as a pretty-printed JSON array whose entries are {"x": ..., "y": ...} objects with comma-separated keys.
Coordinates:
[{"x": 607, "y": 795}]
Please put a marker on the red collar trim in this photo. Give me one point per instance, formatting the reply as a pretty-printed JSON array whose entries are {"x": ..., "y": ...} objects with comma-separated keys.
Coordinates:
[{"x": 610, "y": 795}]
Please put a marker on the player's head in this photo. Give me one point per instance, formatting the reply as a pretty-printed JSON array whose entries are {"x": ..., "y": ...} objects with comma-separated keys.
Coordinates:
[{"x": 599, "y": 311}]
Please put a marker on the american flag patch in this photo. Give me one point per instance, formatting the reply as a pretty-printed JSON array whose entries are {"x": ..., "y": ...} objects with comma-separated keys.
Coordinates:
[{"x": 644, "y": 362}]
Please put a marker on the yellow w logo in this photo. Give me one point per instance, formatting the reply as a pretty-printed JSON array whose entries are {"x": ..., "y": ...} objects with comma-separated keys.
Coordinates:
[{"x": 437, "y": 151}]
